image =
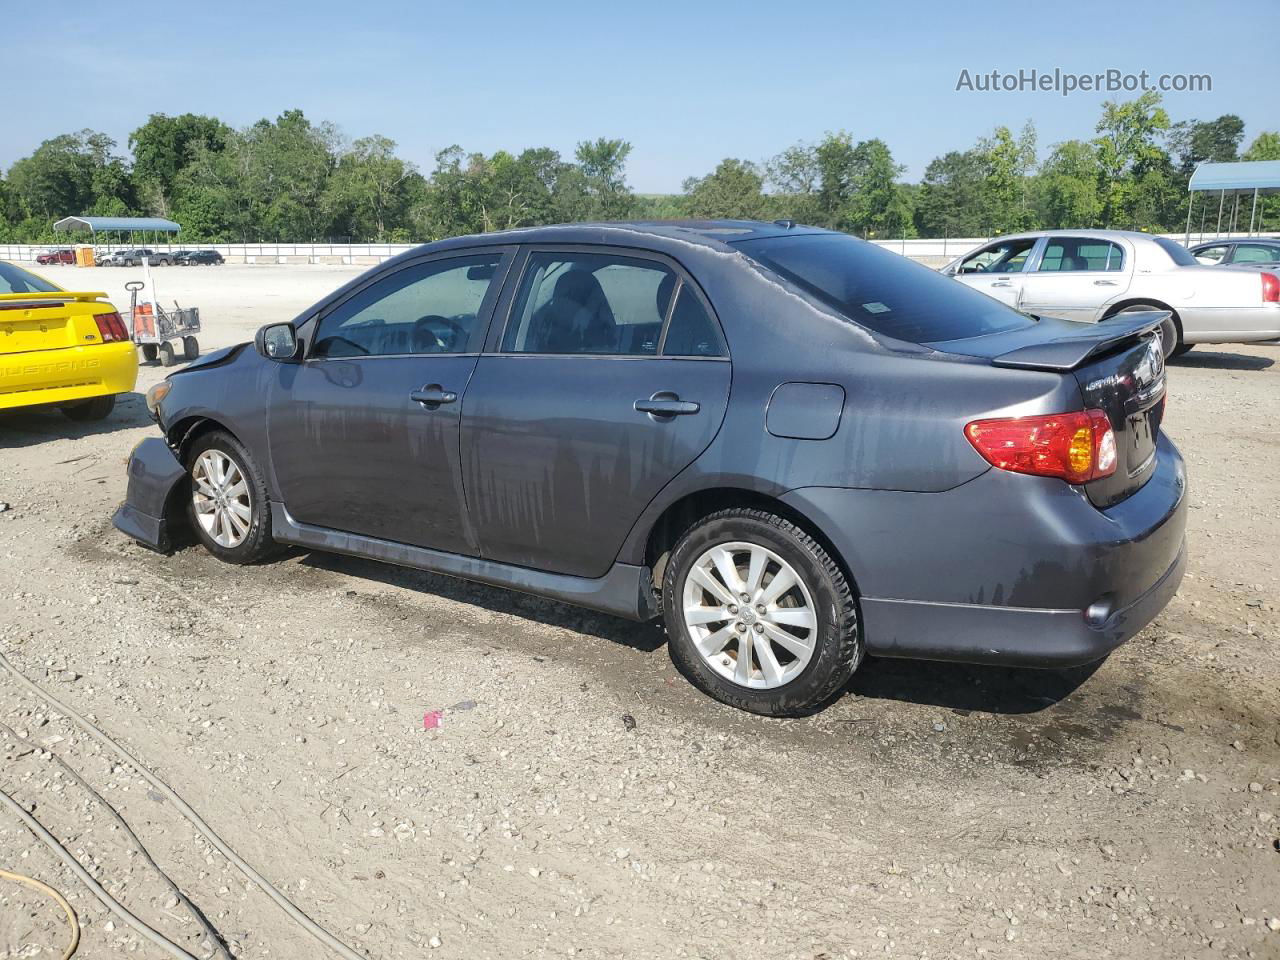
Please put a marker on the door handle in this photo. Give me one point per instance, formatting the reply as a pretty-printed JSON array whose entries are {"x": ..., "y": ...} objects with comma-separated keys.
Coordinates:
[
  {"x": 665, "y": 405},
  {"x": 1104, "y": 283},
  {"x": 1002, "y": 283},
  {"x": 432, "y": 395}
]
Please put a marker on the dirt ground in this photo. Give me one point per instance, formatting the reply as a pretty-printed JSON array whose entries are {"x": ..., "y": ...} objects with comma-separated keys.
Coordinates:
[{"x": 1129, "y": 810}]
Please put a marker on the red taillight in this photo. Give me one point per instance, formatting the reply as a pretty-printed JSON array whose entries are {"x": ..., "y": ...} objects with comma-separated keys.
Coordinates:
[
  {"x": 1270, "y": 288},
  {"x": 1078, "y": 447},
  {"x": 111, "y": 327}
]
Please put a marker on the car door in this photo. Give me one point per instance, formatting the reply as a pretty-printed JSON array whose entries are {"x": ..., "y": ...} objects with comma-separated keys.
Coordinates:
[
  {"x": 1075, "y": 277},
  {"x": 364, "y": 431},
  {"x": 1246, "y": 252},
  {"x": 609, "y": 377},
  {"x": 997, "y": 268}
]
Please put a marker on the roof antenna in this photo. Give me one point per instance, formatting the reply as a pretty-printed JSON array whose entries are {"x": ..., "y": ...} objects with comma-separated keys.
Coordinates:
[{"x": 788, "y": 224}]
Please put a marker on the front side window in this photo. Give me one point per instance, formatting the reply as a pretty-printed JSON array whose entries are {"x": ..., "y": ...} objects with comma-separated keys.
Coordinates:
[
  {"x": 1079, "y": 254},
  {"x": 590, "y": 303},
  {"x": 430, "y": 307},
  {"x": 1212, "y": 255},
  {"x": 1007, "y": 256},
  {"x": 1255, "y": 253}
]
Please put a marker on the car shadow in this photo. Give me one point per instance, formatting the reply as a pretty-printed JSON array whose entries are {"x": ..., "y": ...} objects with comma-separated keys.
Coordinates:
[
  {"x": 1207, "y": 360},
  {"x": 967, "y": 687},
  {"x": 646, "y": 637},
  {"x": 955, "y": 686},
  {"x": 25, "y": 427}
]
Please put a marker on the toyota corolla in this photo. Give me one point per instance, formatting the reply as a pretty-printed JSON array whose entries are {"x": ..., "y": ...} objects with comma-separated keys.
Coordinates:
[{"x": 792, "y": 446}]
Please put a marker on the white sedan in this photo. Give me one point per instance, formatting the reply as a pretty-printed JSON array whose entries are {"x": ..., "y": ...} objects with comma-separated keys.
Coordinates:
[{"x": 1092, "y": 275}]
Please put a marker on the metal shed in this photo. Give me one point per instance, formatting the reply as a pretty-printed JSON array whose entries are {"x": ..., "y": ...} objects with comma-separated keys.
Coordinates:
[
  {"x": 1248, "y": 178},
  {"x": 130, "y": 225}
]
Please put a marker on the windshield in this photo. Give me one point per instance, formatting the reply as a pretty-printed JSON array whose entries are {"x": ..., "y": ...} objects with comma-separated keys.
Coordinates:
[
  {"x": 881, "y": 290},
  {"x": 16, "y": 280},
  {"x": 1176, "y": 251}
]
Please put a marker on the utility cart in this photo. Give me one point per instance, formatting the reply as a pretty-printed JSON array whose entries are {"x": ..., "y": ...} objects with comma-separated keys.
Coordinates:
[{"x": 156, "y": 329}]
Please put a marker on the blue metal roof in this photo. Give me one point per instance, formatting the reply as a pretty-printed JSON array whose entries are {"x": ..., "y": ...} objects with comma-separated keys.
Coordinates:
[
  {"x": 98, "y": 224},
  {"x": 1246, "y": 175}
]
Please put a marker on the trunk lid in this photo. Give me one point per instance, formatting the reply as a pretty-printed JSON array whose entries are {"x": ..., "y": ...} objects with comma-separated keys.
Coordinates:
[
  {"x": 1119, "y": 367},
  {"x": 48, "y": 321}
]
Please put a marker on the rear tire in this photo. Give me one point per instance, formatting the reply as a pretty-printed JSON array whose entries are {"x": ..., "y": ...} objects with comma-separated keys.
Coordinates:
[
  {"x": 1170, "y": 330},
  {"x": 190, "y": 348},
  {"x": 148, "y": 352},
  {"x": 802, "y": 644},
  {"x": 1182, "y": 349},
  {"x": 167, "y": 356},
  {"x": 227, "y": 500},
  {"x": 99, "y": 408}
]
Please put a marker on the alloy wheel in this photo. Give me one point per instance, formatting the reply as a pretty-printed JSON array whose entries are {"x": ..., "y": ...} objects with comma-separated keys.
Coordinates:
[
  {"x": 220, "y": 493},
  {"x": 750, "y": 615}
]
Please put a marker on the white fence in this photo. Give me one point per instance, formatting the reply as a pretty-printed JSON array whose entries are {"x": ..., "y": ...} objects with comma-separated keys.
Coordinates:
[{"x": 933, "y": 252}]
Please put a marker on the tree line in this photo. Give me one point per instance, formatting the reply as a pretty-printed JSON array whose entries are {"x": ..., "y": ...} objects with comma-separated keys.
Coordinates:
[{"x": 292, "y": 180}]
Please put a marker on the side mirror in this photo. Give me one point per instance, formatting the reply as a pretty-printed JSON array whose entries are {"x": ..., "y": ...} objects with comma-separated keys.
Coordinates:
[{"x": 277, "y": 341}]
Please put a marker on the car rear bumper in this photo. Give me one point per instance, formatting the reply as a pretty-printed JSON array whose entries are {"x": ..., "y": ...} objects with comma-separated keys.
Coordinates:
[
  {"x": 60, "y": 376},
  {"x": 154, "y": 474},
  {"x": 1008, "y": 568}
]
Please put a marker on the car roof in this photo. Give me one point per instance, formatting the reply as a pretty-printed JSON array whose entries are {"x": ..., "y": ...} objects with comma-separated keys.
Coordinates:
[{"x": 620, "y": 231}]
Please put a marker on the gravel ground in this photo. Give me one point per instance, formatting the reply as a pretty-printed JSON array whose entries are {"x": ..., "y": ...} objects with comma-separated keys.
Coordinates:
[{"x": 579, "y": 798}]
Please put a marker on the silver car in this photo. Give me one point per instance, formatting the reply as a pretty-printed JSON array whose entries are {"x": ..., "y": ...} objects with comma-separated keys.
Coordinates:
[{"x": 1093, "y": 275}]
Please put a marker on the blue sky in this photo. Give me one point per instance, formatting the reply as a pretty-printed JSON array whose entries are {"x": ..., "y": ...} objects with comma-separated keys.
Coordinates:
[{"x": 687, "y": 83}]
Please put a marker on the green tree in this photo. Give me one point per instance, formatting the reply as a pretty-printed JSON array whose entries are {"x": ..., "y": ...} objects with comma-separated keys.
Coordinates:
[
  {"x": 1128, "y": 152},
  {"x": 950, "y": 199},
  {"x": 1193, "y": 142},
  {"x": 371, "y": 189},
  {"x": 75, "y": 173},
  {"x": 163, "y": 146},
  {"x": 1066, "y": 189},
  {"x": 1006, "y": 164},
  {"x": 603, "y": 165},
  {"x": 733, "y": 191}
]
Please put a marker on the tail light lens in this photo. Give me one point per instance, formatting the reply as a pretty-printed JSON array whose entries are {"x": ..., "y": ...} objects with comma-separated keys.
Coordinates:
[
  {"x": 1078, "y": 447},
  {"x": 1270, "y": 288},
  {"x": 111, "y": 327}
]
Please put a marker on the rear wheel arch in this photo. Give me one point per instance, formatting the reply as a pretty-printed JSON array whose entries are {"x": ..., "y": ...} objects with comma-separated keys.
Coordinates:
[
  {"x": 690, "y": 510},
  {"x": 1146, "y": 302}
]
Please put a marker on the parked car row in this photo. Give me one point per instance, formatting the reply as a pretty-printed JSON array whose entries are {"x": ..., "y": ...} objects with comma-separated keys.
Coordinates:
[
  {"x": 1099, "y": 275},
  {"x": 161, "y": 258}
]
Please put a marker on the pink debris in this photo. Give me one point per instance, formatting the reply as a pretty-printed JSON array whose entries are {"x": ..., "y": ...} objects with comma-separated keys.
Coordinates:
[{"x": 431, "y": 719}]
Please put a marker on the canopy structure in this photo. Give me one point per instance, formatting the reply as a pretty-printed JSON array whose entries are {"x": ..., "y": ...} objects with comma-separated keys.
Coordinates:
[
  {"x": 130, "y": 225},
  {"x": 1249, "y": 178}
]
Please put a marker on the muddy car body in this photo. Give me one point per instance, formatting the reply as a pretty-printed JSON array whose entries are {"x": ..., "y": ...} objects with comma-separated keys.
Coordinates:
[{"x": 767, "y": 402}]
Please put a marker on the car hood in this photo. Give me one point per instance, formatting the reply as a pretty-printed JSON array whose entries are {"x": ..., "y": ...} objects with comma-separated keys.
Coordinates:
[{"x": 212, "y": 359}]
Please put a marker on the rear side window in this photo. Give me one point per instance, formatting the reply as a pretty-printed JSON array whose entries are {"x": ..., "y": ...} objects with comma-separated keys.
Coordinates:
[
  {"x": 882, "y": 291},
  {"x": 691, "y": 332},
  {"x": 1255, "y": 253},
  {"x": 1176, "y": 251},
  {"x": 1078, "y": 254},
  {"x": 16, "y": 280},
  {"x": 592, "y": 303}
]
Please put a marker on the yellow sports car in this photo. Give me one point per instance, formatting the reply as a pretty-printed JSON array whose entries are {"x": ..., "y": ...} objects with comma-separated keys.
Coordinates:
[{"x": 69, "y": 350}]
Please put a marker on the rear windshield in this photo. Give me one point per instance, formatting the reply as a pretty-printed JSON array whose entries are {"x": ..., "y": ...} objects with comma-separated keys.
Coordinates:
[
  {"x": 1176, "y": 251},
  {"x": 882, "y": 291},
  {"x": 16, "y": 280}
]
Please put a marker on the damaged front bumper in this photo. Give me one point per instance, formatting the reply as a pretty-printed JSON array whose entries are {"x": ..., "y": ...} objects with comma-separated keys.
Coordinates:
[{"x": 154, "y": 474}]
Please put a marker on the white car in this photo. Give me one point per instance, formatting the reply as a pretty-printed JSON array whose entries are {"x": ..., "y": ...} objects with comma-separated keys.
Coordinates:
[{"x": 1092, "y": 275}]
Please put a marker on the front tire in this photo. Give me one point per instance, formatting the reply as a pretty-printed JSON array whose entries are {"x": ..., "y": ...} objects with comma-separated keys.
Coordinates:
[
  {"x": 759, "y": 615},
  {"x": 227, "y": 506}
]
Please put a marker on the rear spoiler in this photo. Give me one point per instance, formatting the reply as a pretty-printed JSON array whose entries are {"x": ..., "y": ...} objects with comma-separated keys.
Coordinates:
[
  {"x": 1068, "y": 353},
  {"x": 60, "y": 295}
]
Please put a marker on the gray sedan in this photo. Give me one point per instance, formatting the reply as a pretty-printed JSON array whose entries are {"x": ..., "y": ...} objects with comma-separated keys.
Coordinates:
[{"x": 793, "y": 447}]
